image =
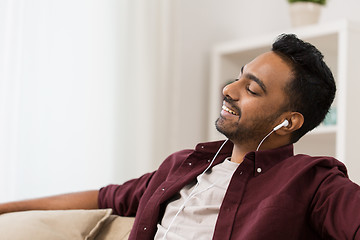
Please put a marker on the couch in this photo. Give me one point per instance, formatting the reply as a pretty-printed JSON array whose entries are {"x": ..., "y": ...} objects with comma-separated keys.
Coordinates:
[{"x": 97, "y": 224}]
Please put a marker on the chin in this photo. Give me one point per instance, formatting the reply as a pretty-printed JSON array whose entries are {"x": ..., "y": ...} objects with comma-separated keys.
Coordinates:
[
  {"x": 221, "y": 128},
  {"x": 235, "y": 132}
]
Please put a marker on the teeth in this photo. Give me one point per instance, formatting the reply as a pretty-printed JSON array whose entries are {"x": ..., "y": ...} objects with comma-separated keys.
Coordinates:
[{"x": 229, "y": 110}]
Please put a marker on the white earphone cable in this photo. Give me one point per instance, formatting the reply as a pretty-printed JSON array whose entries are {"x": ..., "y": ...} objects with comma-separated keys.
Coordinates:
[
  {"x": 285, "y": 123},
  {"x": 196, "y": 186},
  {"x": 264, "y": 139}
]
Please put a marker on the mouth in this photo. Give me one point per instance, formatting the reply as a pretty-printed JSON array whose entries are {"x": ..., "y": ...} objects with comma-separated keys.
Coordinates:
[{"x": 225, "y": 108}]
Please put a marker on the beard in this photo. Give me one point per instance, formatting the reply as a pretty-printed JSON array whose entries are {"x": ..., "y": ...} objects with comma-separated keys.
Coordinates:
[{"x": 239, "y": 133}]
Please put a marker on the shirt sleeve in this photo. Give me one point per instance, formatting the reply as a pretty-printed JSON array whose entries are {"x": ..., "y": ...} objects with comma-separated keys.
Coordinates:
[
  {"x": 335, "y": 208},
  {"x": 124, "y": 199}
]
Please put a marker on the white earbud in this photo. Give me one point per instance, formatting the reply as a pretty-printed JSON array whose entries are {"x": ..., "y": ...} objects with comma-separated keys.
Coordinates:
[{"x": 285, "y": 123}]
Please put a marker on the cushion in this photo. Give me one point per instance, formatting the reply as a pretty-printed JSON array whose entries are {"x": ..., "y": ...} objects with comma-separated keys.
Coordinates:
[
  {"x": 54, "y": 225},
  {"x": 116, "y": 228}
]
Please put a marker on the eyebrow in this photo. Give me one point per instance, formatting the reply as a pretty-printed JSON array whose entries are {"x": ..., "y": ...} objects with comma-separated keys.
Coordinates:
[{"x": 255, "y": 79}]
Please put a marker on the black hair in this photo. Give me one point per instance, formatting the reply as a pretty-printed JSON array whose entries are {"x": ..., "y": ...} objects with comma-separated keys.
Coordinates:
[{"x": 312, "y": 88}]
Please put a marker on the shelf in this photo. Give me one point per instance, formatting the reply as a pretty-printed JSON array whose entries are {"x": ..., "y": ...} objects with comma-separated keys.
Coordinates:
[{"x": 322, "y": 129}]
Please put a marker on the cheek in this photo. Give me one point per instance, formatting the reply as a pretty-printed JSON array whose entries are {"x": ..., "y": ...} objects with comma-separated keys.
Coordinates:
[
  {"x": 253, "y": 108},
  {"x": 258, "y": 114}
]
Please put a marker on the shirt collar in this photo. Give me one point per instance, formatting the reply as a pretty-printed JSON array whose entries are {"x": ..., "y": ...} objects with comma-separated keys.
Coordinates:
[
  {"x": 213, "y": 147},
  {"x": 263, "y": 160}
]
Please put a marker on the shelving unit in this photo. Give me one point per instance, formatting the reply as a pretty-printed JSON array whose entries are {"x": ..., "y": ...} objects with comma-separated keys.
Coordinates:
[{"x": 339, "y": 43}]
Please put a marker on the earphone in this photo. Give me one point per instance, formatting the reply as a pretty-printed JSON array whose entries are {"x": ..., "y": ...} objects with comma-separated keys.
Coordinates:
[{"x": 285, "y": 123}]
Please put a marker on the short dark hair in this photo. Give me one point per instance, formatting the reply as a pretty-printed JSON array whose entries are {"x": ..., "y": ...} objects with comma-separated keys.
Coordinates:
[{"x": 312, "y": 88}]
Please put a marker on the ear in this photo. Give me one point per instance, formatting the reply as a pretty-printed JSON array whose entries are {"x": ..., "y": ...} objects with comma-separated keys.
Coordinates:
[{"x": 296, "y": 120}]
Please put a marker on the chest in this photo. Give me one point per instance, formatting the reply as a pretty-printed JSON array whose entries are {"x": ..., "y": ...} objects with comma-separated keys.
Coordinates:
[{"x": 253, "y": 207}]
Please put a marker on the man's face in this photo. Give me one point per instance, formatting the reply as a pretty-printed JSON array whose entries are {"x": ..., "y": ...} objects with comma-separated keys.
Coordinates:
[{"x": 253, "y": 104}]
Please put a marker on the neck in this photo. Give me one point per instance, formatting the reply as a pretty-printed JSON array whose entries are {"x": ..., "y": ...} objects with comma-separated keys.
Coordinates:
[{"x": 239, "y": 153}]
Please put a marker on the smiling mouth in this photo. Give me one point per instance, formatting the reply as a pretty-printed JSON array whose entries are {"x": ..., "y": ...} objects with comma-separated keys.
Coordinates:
[{"x": 229, "y": 110}]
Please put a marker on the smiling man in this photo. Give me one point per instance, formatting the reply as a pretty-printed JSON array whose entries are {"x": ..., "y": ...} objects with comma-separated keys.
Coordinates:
[
  {"x": 250, "y": 186},
  {"x": 256, "y": 102}
]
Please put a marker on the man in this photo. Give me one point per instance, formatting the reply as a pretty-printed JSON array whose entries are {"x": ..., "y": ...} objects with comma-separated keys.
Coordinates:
[{"x": 252, "y": 186}]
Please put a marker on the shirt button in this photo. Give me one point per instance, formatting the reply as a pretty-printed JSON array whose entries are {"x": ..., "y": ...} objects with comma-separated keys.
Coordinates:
[
  {"x": 259, "y": 170},
  {"x": 202, "y": 147},
  {"x": 240, "y": 173},
  {"x": 163, "y": 189},
  {"x": 209, "y": 160},
  {"x": 189, "y": 163},
  {"x": 145, "y": 228}
]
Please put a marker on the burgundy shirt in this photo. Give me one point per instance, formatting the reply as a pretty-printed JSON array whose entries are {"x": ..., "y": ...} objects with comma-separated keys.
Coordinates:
[{"x": 272, "y": 195}]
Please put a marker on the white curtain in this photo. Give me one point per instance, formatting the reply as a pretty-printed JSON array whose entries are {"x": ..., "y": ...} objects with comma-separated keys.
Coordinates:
[
  {"x": 85, "y": 86},
  {"x": 9, "y": 95}
]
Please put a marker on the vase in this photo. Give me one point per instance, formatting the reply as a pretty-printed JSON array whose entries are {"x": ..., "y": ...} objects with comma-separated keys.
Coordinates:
[{"x": 304, "y": 13}]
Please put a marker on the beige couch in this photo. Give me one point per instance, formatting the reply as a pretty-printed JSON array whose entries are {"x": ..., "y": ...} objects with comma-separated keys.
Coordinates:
[{"x": 65, "y": 225}]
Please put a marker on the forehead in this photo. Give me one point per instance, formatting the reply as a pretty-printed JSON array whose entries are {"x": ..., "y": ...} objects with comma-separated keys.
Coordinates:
[{"x": 271, "y": 69}]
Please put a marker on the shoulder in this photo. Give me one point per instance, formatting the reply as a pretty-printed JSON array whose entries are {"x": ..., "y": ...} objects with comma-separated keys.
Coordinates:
[
  {"x": 319, "y": 163},
  {"x": 201, "y": 151},
  {"x": 176, "y": 158}
]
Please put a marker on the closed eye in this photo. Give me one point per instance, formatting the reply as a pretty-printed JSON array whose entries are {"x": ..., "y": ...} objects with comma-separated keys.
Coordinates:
[{"x": 251, "y": 92}]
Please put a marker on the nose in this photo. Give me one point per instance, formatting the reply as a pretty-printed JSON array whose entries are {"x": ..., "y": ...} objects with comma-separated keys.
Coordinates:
[{"x": 230, "y": 91}]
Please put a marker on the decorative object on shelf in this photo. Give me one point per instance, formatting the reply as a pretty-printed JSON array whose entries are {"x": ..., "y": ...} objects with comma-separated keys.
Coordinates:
[
  {"x": 331, "y": 117},
  {"x": 305, "y": 12}
]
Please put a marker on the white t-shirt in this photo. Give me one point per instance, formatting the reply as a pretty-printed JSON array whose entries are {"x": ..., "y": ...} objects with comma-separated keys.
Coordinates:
[{"x": 198, "y": 217}]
